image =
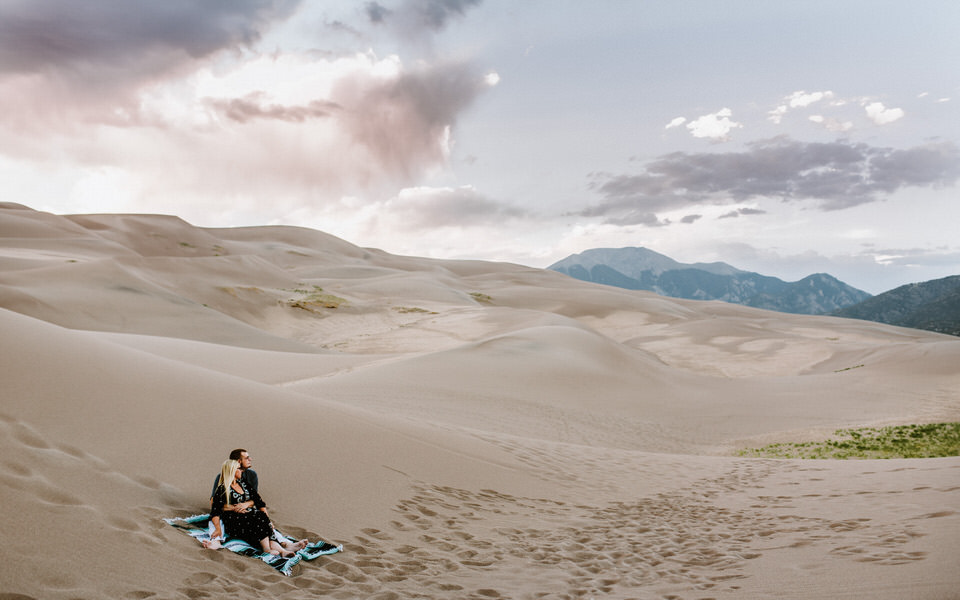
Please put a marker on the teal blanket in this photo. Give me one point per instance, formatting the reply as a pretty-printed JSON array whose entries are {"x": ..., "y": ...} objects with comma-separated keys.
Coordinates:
[{"x": 197, "y": 527}]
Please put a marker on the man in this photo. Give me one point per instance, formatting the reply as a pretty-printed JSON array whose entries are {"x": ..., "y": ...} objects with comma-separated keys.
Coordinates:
[{"x": 249, "y": 476}]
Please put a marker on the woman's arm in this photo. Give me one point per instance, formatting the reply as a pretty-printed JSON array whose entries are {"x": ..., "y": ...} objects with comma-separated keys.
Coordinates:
[
  {"x": 217, "y": 529},
  {"x": 217, "y": 504}
]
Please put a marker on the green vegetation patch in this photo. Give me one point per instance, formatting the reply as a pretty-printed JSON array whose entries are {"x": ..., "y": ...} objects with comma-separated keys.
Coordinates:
[
  {"x": 481, "y": 297},
  {"x": 900, "y": 441},
  {"x": 412, "y": 309},
  {"x": 314, "y": 299}
]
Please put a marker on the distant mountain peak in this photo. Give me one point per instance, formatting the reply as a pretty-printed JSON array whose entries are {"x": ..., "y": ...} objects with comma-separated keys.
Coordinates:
[
  {"x": 634, "y": 260},
  {"x": 640, "y": 268}
]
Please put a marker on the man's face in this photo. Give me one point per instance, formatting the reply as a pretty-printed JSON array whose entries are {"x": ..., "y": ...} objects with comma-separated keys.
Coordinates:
[{"x": 245, "y": 461}]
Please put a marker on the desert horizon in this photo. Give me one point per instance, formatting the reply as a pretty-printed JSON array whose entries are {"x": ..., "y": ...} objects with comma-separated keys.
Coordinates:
[{"x": 466, "y": 429}]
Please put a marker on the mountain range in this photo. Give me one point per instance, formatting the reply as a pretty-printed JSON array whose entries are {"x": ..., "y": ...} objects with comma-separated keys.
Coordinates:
[
  {"x": 932, "y": 305},
  {"x": 644, "y": 269}
]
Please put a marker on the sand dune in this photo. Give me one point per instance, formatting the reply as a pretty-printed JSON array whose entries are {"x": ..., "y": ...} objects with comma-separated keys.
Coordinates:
[{"x": 466, "y": 429}]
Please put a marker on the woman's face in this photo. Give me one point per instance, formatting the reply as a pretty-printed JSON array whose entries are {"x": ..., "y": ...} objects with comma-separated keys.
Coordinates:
[{"x": 237, "y": 474}]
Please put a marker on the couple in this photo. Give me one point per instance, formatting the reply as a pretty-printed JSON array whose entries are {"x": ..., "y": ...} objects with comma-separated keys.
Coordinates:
[{"x": 237, "y": 507}]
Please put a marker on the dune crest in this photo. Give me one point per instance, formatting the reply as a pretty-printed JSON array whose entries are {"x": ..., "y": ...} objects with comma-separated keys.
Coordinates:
[{"x": 465, "y": 428}]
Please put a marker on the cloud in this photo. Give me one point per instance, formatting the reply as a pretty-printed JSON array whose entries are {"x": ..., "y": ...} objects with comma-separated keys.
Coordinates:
[
  {"x": 802, "y": 98},
  {"x": 914, "y": 257},
  {"x": 309, "y": 125},
  {"x": 798, "y": 99},
  {"x": 882, "y": 115},
  {"x": 742, "y": 211},
  {"x": 68, "y": 66},
  {"x": 176, "y": 105},
  {"x": 376, "y": 12},
  {"x": 691, "y": 219},
  {"x": 637, "y": 217},
  {"x": 831, "y": 124},
  {"x": 254, "y": 106},
  {"x": 423, "y": 208},
  {"x": 415, "y": 17},
  {"x": 676, "y": 122},
  {"x": 405, "y": 120},
  {"x": 99, "y": 46},
  {"x": 715, "y": 126},
  {"x": 836, "y": 175}
]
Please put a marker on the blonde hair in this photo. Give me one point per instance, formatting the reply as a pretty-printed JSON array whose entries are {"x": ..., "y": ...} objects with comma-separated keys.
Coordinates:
[{"x": 228, "y": 473}]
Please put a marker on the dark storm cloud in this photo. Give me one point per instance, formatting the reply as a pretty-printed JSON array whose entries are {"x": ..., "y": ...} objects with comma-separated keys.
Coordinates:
[
  {"x": 837, "y": 175},
  {"x": 254, "y": 106},
  {"x": 122, "y": 40},
  {"x": 416, "y": 16},
  {"x": 376, "y": 12},
  {"x": 404, "y": 121},
  {"x": 435, "y": 13}
]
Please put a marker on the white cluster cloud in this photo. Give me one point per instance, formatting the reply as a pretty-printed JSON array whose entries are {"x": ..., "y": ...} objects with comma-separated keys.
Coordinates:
[
  {"x": 676, "y": 122},
  {"x": 881, "y": 115},
  {"x": 831, "y": 124},
  {"x": 715, "y": 126},
  {"x": 802, "y": 98},
  {"x": 798, "y": 99}
]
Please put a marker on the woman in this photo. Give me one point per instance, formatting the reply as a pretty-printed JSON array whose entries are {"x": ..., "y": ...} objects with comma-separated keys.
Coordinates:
[{"x": 239, "y": 510}]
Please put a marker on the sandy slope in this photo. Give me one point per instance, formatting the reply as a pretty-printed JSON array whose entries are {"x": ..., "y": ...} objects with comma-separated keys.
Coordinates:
[{"x": 466, "y": 429}]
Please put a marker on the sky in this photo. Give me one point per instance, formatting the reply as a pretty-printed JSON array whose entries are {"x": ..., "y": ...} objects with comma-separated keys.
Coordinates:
[{"x": 786, "y": 138}]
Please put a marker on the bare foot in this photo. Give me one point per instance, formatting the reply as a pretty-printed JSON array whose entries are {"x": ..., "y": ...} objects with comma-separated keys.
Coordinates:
[{"x": 294, "y": 546}]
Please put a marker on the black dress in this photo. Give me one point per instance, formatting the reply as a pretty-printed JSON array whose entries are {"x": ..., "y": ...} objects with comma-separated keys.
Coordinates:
[{"x": 251, "y": 525}]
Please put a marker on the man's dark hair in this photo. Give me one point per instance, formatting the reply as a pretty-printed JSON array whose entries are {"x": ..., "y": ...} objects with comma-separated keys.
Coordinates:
[{"x": 235, "y": 455}]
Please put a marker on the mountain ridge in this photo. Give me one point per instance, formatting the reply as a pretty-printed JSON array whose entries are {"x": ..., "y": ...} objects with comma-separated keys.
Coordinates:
[
  {"x": 931, "y": 305},
  {"x": 639, "y": 268}
]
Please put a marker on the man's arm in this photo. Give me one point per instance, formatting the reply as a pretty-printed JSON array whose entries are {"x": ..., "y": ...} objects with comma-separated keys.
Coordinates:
[{"x": 253, "y": 482}]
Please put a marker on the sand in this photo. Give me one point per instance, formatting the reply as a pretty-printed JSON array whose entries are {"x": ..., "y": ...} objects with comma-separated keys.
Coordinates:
[{"x": 466, "y": 429}]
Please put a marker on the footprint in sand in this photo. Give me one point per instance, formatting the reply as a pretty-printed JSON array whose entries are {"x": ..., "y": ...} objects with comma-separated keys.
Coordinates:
[
  {"x": 376, "y": 534},
  {"x": 201, "y": 578},
  {"x": 51, "y": 495},
  {"x": 17, "y": 469},
  {"x": 122, "y": 523},
  {"x": 346, "y": 571},
  {"x": 29, "y": 437}
]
